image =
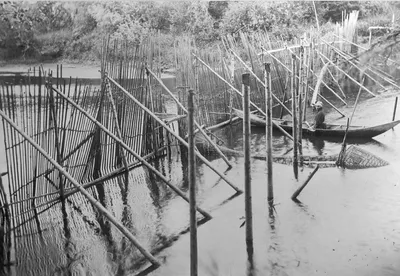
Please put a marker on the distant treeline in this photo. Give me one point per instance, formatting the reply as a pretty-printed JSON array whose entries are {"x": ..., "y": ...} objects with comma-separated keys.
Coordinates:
[{"x": 74, "y": 30}]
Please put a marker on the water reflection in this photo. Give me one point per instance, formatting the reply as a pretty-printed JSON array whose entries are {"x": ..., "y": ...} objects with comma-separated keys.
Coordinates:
[{"x": 318, "y": 144}]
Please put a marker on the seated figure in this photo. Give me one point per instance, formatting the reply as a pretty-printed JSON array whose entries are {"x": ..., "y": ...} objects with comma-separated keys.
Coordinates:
[{"x": 319, "y": 120}]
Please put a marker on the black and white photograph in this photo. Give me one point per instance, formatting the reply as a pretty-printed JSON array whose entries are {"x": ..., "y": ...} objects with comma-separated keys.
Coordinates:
[{"x": 199, "y": 138}]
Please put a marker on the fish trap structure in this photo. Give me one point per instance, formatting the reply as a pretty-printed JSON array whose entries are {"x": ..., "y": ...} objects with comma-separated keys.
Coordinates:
[
  {"x": 358, "y": 158},
  {"x": 75, "y": 147},
  {"x": 81, "y": 157},
  {"x": 328, "y": 68}
]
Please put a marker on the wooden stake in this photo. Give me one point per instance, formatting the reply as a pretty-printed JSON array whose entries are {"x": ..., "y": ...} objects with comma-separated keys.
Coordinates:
[
  {"x": 268, "y": 108},
  {"x": 91, "y": 199},
  {"x": 247, "y": 162},
  {"x": 298, "y": 191},
  {"x": 294, "y": 117},
  {"x": 192, "y": 187}
]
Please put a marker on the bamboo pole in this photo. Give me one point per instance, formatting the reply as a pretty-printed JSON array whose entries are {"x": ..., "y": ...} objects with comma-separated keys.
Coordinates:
[
  {"x": 298, "y": 191},
  {"x": 299, "y": 107},
  {"x": 320, "y": 80},
  {"x": 128, "y": 149},
  {"x": 91, "y": 199},
  {"x": 290, "y": 71},
  {"x": 334, "y": 107},
  {"x": 237, "y": 91},
  {"x": 356, "y": 102},
  {"x": 268, "y": 137},
  {"x": 333, "y": 77},
  {"x": 57, "y": 140},
  {"x": 341, "y": 53},
  {"x": 232, "y": 80},
  {"x": 148, "y": 84},
  {"x": 316, "y": 15},
  {"x": 394, "y": 110},
  {"x": 117, "y": 128},
  {"x": 247, "y": 161},
  {"x": 71, "y": 191},
  {"x": 347, "y": 75},
  {"x": 196, "y": 124},
  {"x": 192, "y": 187},
  {"x": 305, "y": 88},
  {"x": 294, "y": 117},
  {"x": 366, "y": 49},
  {"x": 339, "y": 161},
  {"x": 202, "y": 158},
  {"x": 260, "y": 81}
]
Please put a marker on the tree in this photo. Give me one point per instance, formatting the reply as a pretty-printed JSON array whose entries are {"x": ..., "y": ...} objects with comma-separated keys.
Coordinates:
[{"x": 16, "y": 23}]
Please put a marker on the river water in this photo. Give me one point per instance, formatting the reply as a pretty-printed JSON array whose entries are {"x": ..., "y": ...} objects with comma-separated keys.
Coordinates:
[{"x": 346, "y": 223}]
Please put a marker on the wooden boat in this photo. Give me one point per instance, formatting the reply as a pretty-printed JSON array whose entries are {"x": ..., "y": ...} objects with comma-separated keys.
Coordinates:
[{"x": 331, "y": 130}]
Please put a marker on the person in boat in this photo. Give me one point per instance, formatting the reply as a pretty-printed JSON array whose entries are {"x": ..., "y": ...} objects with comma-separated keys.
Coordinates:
[{"x": 319, "y": 119}]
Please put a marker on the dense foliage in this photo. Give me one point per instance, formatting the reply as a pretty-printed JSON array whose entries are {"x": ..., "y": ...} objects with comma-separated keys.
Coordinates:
[{"x": 73, "y": 30}]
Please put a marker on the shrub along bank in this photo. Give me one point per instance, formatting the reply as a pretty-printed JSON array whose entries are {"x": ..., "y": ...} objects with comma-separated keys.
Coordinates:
[{"x": 47, "y": 30}]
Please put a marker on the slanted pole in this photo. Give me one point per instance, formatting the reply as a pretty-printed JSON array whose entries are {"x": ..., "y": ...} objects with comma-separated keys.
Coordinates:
[
  {"x": 201, "y": 157},
  {"x": 366, "y": 50},
  {"x": 333, "y": 77},
  {"x": 91, "y": 199},
  {"x": 294, "y": 117},
  {"x": 347, "y": 75},
  {"x": 192, "y": 186},
  {"x": 298, "y": 191},
  {"x": 356, "y": 102},
  {"x": 268, "y": 108},
  {"x": 331, "y": 104},
  {"x": 394, "y": 110},
  {"x": 196, "y": 124},
  {"x": 320, "y": 79},
  {"x": 237, "y": 91},
  {"x": 128, "y": 149},
  {"x": 260, "y": 81},
  {"x": 348, "y": 58},
  {"x": 316, "y": 15},
  {"x": 154, "y": 135},
  {"x": 118, "y": 129},
  {"x": 340, "y": 159},
  {"x": 290, "y": 71},
  {"x": 247, "y": 163}
]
